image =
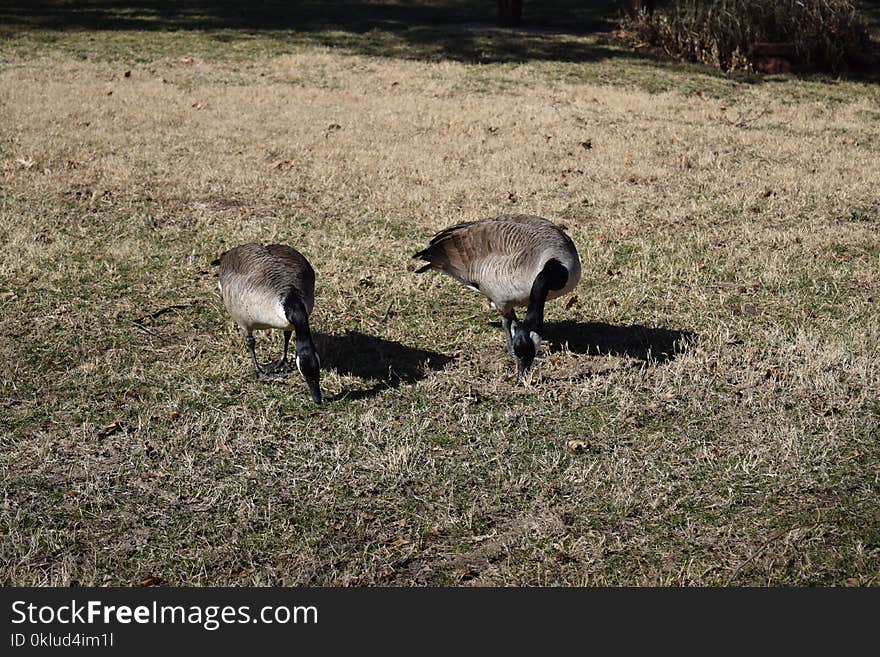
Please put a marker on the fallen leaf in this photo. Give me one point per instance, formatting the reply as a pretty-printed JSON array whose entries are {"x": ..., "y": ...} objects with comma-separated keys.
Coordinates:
[
  {"x": 186, "y": 60},
  {"x": 400, "y": 542},
  {"x": 283, "y": 164},
  {"x": 366, "y": 516},
  {"x": 467, "y": 572},
  {"x": 174, "y": 414},
  {"x": 852, "y": 581},
  {"x": 571, "y": 301},
  {"x": 560, "y": 556},
  {"x": 110, "y": 429},
  {"x": 151, "y": 581},
  {"x": 578, "y": 446},
  {"x": 434, "y": 530}
]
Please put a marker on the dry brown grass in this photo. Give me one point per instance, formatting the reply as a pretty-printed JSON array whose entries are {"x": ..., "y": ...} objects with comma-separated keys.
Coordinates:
[{"x": 745, "y": 216}]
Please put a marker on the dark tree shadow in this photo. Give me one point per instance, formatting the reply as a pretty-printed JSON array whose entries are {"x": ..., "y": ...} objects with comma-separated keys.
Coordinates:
[
  {"x": 356, "y": 15},
  {"x": 459, "y": 30},
  {"x": 658, "y": 345},
  {"x": 386, "y": 363}
]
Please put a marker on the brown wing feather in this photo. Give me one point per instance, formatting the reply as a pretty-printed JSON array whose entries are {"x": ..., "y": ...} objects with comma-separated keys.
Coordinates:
[
  {"x": 449, "y": 251},
  {"x": 458, "y": 250},
  {"x": 276, "y": 267}
]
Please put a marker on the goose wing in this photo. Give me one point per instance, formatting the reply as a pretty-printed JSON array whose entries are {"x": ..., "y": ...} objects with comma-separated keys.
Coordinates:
[
  {"x": 274, "y": 269},
  {"x": 475, "y": 250}
]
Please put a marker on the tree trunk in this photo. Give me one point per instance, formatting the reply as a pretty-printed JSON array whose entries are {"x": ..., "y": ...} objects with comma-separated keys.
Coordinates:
[{"x": 510, "y": 12}]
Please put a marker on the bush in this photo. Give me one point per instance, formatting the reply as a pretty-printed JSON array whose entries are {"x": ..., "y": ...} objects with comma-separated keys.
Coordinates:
[{"x": 764, "y": 35}]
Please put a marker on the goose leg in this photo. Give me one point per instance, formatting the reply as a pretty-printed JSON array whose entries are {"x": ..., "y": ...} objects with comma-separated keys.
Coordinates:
[
  {"x": 251, "y": 347},
  {"x": 506, "y": 323},
  {"x": 259, "y": 374},
  {"x": 281, "y": 365}
]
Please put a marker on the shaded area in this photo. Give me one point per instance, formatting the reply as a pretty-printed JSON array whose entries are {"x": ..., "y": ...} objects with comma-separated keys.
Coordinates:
[
  {"x": 658, "y": 345},
  {"x": 356, "y": 15},
  {"x": 433, "y": 29},
  {"x": 368, "y": 357}
]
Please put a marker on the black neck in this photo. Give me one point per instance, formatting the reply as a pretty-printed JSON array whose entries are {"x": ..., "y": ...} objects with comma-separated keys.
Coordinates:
[
  {"x": 297, "y": 315},
  {"x": 553, "y": 276}
]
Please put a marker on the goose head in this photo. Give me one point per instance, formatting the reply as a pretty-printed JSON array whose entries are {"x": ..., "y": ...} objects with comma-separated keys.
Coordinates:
[
  {"x": 309, "y": 365},
  {"x": 526, "y": 343}
]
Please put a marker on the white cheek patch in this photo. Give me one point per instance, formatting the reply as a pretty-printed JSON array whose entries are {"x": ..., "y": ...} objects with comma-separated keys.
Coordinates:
[{"x": 536, "y": 340}]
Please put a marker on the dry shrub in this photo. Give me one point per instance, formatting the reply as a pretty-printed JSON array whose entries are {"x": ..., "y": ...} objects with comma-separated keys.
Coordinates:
[{"x": 764, "y": 35}]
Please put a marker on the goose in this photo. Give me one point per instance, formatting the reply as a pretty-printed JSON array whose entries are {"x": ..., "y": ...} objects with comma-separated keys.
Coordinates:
[
  {"x": 272, "y": 287},
  {"x": 514, "y": 260}
]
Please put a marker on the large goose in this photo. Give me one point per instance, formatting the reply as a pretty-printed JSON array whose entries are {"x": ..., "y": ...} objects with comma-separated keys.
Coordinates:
[
  {"x": 515, "y": 260},
  {"x": 273, "y": 287}
]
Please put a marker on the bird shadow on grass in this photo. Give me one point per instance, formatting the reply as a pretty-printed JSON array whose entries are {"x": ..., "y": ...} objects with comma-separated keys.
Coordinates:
[
  {"x": 386, "y": 363},
  {"x": 655, "y": 345}
]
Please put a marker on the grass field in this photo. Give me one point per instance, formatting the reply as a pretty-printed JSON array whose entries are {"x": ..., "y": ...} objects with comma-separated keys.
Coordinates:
[{"x": 707, "y": 411}]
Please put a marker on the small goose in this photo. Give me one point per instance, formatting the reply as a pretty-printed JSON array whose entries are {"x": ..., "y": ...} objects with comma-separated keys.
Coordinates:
[
  {"x": 515, "y": 260},
  {"x": 272, "y": 287}
]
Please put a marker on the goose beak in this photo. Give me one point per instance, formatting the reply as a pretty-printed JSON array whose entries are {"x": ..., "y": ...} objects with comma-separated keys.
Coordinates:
[
  {"x": 315, "y": 390},
  {"x": 521, "y": 369}
]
